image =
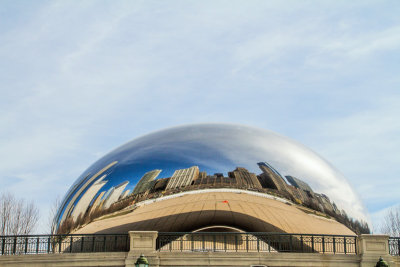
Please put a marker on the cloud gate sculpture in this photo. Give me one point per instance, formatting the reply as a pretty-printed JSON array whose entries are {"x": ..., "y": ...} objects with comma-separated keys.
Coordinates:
[{"x": 218, "y": 177}]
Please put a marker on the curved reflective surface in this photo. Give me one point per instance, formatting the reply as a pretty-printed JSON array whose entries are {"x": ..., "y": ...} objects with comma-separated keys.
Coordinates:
[{"x": 210, "y": 156}]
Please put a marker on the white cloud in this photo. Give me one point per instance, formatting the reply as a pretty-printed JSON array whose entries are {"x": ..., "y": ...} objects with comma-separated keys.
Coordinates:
[{"x": 79, "y": 79}]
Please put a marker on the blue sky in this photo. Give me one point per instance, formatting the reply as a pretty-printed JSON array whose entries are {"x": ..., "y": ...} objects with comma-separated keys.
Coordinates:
[{"x": 78, "y": 79}]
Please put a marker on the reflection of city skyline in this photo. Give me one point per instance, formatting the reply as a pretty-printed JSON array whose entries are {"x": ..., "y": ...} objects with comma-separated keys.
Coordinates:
[{"x": 92, "y": 197}]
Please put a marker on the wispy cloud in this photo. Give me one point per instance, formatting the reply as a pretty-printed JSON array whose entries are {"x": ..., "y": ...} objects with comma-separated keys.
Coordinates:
[{"x": 78, "y": 79}]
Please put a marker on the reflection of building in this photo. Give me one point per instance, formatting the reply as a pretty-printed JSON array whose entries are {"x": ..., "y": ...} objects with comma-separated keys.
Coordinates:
[
  {"x": 97, "y": 202},
  {"x": 76, "y": 195},
  {"x": 244, "y": 178},
  {"x": 183, "y": 177},
  {"x": 125, "y": 194},
  {"x": 87, "y": 197},
  {"x": 144, "y": 182},
  {"x": 299, "y": 183},
  {"x": 271, "y": 178},
  {"x": 161, "y": 184},
  {"x": 114, "y": 194}
]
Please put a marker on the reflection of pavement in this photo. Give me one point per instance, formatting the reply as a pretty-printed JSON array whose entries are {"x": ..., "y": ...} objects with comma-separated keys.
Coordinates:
[{"x": 193, "y": 211}]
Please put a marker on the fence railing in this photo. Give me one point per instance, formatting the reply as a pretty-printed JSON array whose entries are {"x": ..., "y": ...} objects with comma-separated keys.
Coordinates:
[
  {"x": 256, "y": 242},
  {"x": 45, "y": 244},
  {"x": 394, "y": 246}
]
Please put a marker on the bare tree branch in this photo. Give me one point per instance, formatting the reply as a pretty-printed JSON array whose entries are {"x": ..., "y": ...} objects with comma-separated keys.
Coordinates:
[
  {"x": 17, "y": 217},
  {"x": 51, "y": 224},
  {"x": 391, "y": 223}
]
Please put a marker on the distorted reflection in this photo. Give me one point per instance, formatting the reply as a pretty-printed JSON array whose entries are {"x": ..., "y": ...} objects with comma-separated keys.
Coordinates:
[{"x": 208, "y": 156}]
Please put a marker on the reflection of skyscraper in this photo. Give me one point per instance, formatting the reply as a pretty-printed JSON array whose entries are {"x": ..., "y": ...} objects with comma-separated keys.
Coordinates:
[
  {"x": 143, "y": 183},
  {"x": 87, "y": 197},
  {"x": 125, "y": 194},
  {"x": 183, "y": 177},
  {"x": 271, "y": 178},
  {"x": 75, "y": 196},
  {"x": 114, "y": 194},
  {"x": 245, "y": 178},
  {"x": 97, "y": 201},
  {"x": 299, "y": 183}
]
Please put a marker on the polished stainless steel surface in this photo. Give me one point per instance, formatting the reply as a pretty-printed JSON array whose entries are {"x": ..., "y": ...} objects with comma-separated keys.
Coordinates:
[{"x": 214, "y": 148}]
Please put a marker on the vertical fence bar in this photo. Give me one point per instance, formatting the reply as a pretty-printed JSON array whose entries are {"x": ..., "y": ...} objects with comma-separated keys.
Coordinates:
[
  {"x": 181, "y": 238},
  {"x": 236, "y": 242},
  {"x": 37, "y": 245},
  {"x": 191, "y": 243},
  {"x": 59, "y": 245},
  {"x": 334, "y": 245},
  {"x": 312, "y": 243},
  {"x": 258, "y": 243},
  {"x": 82, "y": 240},
  {"x": 323, "y": 244},
  {"x": 3, "y": 245},
  {"x": 355, "y": 245},
  {"x": 301, "y": 243},
  {"x": 247, "y": 242},
  {"x": 48, "y": 245},
  {"x": 279, "y": 243},
  {"x": 225, "y": 243},
  {"x": 70, "y": 244},
  {"x": 290, "y": 243},
  {"x": 203, "y": 242},
  {"x": 345, "y": 245},
  {"x": 14, "y": 245},
  {"x": 93, "y": 242},
  {"x": 104, "y": 243},
  {"x": 26, "y": 245},
  {"x": 269, "y": 243},
  {"x": 214, "y": 242}
]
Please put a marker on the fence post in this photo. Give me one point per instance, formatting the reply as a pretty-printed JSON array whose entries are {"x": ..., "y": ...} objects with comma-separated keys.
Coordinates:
[
  {"x": 143, "y": 242},
  {"x": 3, "y": 245},
  {"x": 371, "y": 247}
]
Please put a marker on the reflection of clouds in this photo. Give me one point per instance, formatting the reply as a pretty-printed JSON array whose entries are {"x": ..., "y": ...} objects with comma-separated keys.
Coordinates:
[{"x": 221, "y": 148}]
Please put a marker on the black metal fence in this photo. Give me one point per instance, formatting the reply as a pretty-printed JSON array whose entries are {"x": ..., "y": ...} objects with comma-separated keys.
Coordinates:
[
  {"x": 394, "y": 246},
  {"x": 45, "y": 244},
  {"x": 256, "y": 242}
]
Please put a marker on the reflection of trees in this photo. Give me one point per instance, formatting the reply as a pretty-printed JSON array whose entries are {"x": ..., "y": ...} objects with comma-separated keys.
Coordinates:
[{"x": 68, "y": 225}]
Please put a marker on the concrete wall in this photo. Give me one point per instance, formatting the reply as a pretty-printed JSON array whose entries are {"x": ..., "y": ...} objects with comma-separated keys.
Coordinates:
[
  {"x": 58, "y": 260},
  {"x": 371, "y": 247}
]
